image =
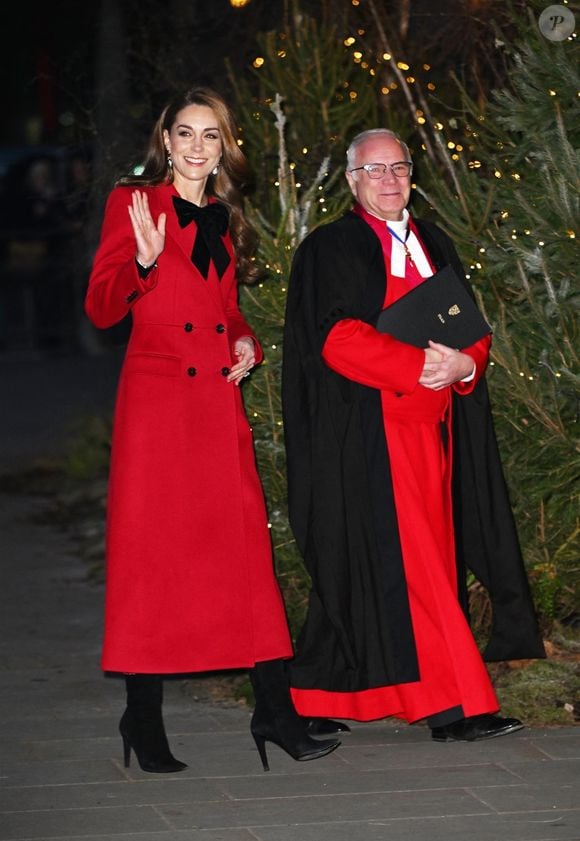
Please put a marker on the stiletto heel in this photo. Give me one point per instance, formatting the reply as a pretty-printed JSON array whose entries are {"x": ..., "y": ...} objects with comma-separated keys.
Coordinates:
[
  {"x": 261, "y": 745},
  {"x": 126, "y": 750},
  {"x": 275, "y": 719}
]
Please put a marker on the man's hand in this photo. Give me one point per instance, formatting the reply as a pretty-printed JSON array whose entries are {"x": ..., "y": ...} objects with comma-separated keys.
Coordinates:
[{"x": 449, "y": 367}]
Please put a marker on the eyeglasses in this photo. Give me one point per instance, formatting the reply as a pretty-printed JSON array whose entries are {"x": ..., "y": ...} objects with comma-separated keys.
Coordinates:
[{"x": 402, "y": 169}]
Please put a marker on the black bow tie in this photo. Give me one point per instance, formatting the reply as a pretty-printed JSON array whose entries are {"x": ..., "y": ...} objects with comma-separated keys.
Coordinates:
[{"x": 212, "y": 223}]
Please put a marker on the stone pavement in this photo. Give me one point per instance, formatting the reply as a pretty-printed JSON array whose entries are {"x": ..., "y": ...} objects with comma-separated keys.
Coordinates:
[{"x": 61, "y": 770}]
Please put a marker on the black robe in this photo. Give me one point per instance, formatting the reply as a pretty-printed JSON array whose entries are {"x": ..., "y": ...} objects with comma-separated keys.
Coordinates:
[{"x": 358, "y": 634}]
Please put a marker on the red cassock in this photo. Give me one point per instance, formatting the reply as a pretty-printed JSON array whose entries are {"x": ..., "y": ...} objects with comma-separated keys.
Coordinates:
[{"x": 190, "y": 584}]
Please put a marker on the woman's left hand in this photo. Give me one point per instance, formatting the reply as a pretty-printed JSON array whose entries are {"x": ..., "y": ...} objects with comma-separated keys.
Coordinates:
[{"x": 245, "y": 353}]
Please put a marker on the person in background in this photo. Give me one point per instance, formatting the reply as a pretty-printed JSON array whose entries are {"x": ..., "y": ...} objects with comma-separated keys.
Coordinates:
[
  {"x": 190, "y": 584},
  {"x": 394, "y": 477}
]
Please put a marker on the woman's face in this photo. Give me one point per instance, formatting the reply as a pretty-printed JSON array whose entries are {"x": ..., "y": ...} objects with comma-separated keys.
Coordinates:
[{"x": 195, "y": 145}]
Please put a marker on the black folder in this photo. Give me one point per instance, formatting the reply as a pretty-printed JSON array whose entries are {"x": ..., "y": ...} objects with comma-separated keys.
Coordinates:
[{"x": 441, "y": 309}]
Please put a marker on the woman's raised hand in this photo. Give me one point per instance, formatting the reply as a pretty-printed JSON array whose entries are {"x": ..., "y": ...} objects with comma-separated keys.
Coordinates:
[{"x": 149, "y": 237}]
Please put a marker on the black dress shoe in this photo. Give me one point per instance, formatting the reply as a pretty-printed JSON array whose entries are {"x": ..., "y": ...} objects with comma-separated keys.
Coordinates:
[
  {"x": 325, "y": 727},
  {"x": 476, "y": 728}
]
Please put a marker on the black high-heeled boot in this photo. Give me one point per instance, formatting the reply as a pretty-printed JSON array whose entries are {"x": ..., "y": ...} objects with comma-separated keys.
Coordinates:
[
  {"x": 275, "y": 719},
  {"x": 142, "y": 728}
]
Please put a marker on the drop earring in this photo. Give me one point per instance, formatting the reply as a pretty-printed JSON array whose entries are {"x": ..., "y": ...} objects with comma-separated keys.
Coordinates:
[
  {"x": 169, "y": 160},
  {"x": 215, "y": 170}
]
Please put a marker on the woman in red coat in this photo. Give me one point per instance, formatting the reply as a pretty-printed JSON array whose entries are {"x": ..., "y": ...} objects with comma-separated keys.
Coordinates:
[{"x": 190, "y": 584}]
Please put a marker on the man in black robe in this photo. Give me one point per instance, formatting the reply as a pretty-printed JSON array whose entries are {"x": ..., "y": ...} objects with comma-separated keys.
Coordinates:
[{"x": 360, "y": 640}]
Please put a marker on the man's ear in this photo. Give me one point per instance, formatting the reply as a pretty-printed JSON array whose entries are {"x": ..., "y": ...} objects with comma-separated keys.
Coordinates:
[{"x": 351, "y": 182}]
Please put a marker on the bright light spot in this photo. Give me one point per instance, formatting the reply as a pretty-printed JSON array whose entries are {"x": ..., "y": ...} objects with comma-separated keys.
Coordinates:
[{"x": 258, "y": 62}]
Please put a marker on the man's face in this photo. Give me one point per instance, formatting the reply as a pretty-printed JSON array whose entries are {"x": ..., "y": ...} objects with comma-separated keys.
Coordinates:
[{"x": 384, "y": 197}]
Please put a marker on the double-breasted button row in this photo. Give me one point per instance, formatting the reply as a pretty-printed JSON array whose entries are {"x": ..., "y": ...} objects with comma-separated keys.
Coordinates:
[
  {"x": 191, "y": 371},
  {"x": 188, "y": 327}
]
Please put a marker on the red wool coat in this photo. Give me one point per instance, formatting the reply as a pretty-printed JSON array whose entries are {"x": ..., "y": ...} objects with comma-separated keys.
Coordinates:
[{"x": 190, "y": 584}]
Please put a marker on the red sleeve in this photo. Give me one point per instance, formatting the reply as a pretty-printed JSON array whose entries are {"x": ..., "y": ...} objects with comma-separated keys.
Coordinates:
[
  {"x": 479, "y": 352},
  {"x": 114, "y": 283},
  {"x": 359, "y": 352}
]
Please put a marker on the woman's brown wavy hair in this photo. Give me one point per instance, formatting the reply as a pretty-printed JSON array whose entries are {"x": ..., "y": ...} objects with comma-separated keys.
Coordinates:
[{"x": 228, "y": 186}]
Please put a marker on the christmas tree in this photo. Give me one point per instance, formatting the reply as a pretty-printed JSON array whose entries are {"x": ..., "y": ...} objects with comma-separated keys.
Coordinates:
[{"x": 501, "y": 175}]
